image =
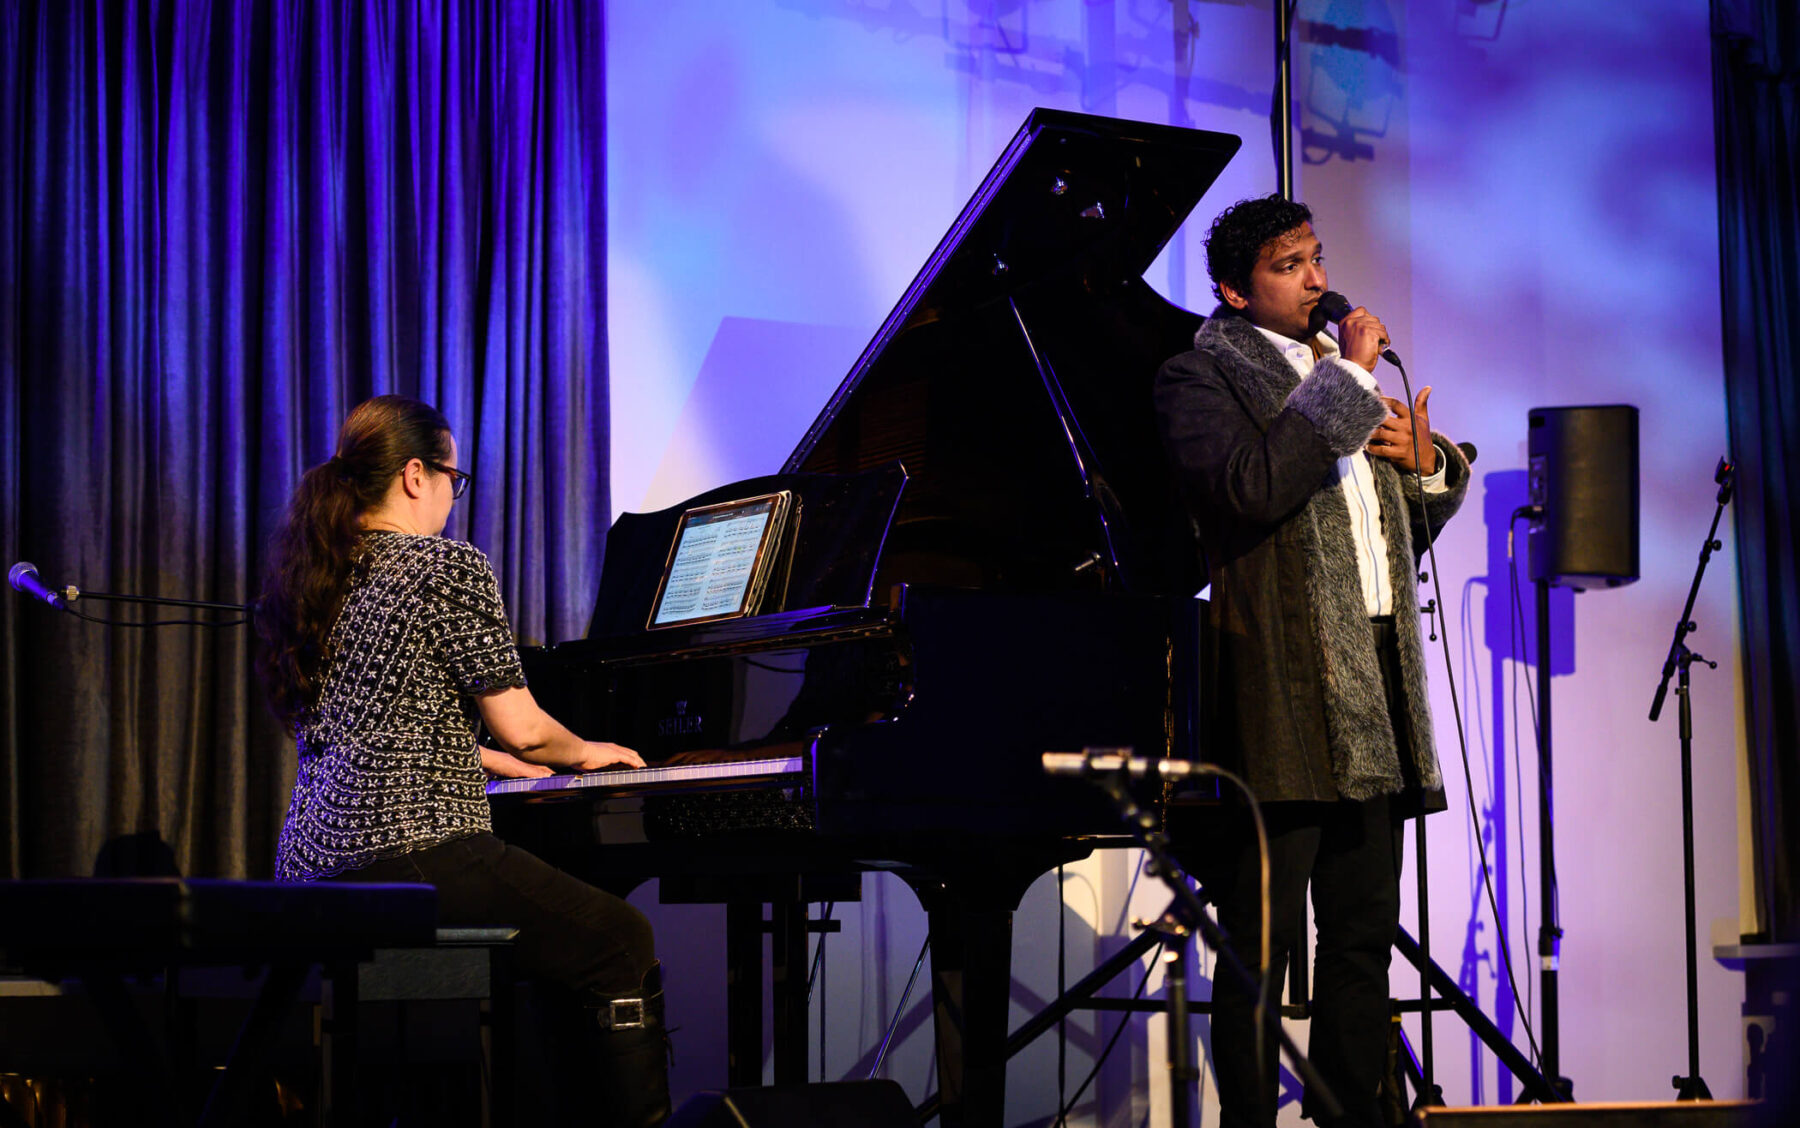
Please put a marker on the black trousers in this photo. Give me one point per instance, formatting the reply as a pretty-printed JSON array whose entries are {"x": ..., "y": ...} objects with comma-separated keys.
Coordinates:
[
  {"x": 1350, "y": 854},
  {"x": 571, "y": 934}
]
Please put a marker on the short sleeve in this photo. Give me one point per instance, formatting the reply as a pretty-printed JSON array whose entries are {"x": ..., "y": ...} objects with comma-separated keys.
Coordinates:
[{"x": 474, "y": 637}]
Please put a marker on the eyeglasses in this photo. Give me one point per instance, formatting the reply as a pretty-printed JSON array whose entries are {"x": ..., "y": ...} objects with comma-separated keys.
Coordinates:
[{"x": 459, "y": 481}]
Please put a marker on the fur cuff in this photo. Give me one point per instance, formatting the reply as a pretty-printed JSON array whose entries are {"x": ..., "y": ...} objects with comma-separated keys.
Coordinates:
[{"x": 1343, "y": 411}]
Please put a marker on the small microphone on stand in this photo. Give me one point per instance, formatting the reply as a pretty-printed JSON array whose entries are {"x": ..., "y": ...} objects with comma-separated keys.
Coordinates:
[
  {"x": 24, "y": 578},
  {"x": 1104, "y": 761}
]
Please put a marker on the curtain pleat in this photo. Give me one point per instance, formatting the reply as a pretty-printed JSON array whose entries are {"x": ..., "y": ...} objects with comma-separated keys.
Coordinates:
[
  {"x": 1756, "y": 108},
  {"x": 225, "y": 224}
]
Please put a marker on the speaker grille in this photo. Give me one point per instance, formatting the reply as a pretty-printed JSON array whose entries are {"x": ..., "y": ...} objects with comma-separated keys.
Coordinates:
[{"x": 1584, "y": 475}]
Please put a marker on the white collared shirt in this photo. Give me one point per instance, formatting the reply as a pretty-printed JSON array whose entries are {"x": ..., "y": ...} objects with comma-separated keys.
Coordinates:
[{"x": 1357, "y": 478}]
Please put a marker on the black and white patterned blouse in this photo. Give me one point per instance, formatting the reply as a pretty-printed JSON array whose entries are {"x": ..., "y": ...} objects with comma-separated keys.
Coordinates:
[{"x": 388, "y": 762}]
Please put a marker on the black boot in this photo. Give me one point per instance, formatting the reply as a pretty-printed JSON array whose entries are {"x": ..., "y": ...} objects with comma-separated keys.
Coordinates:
[{"x": 630, "y": 1055}]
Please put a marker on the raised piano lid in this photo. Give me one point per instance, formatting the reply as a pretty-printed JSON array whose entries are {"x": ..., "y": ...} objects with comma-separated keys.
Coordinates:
[{"x": 1013, "y": 378}]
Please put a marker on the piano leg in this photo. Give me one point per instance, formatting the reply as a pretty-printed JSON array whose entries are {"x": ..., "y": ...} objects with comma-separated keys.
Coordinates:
[
  {"x": 788, "y": 973},
  {"x": 971, "y": 987},
  {"x": 743, "y": 993},
  {"x": 971, "y": 968}
]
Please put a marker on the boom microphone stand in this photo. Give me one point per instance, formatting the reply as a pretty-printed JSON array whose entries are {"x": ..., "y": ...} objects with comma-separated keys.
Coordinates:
[
  {"x": 1691, "y": 1087},
  {"x": 1112, "y": 769},
  {"x": 24, "y": 579}
]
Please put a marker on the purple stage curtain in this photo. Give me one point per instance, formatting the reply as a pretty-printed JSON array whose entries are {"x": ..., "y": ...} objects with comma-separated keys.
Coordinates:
[
  {"x": 1756, "y": 117},
  {"x": 224, "y": 224}
]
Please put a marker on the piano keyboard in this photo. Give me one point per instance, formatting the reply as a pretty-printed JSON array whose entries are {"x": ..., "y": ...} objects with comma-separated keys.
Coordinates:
[{"x": 610, "y": 779}]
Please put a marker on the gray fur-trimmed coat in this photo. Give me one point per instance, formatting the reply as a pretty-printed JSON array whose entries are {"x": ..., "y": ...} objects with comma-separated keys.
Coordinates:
[{"x": 1294, "y": 701}]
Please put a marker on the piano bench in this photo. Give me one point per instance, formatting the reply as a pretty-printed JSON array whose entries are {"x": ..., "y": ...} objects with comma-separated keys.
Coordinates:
[
  {"x": 461, "y": 963},
  {"x": 396, "y": 1012}
]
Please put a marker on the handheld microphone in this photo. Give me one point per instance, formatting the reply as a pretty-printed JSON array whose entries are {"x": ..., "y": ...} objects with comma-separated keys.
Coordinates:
[
  {"x": 24, "y": 578},
  {"x": 1336, "y": 307}
]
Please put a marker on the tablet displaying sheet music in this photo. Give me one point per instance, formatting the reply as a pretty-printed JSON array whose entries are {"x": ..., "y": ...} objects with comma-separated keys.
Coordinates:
[{"x": 721, "y": 560}]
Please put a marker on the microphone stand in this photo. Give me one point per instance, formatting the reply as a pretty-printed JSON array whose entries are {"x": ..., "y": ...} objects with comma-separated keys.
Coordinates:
[
  {"x": 1281, "y": 121},
  {"x": 65, "y": 598},
  {"x": 1186, "y": 912},
  {"x": 72, "y": 593},
  {"x": 1691, "y": 1087}
]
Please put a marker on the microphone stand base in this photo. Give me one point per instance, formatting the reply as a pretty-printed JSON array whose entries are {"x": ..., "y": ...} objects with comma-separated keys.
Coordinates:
[{"x": 1429, "y": 1098}]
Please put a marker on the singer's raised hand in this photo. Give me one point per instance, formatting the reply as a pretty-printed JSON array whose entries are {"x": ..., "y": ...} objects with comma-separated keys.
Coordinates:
[
  {"x": 1393, "y": 440},
  {"x": 1361, "y": 337}
]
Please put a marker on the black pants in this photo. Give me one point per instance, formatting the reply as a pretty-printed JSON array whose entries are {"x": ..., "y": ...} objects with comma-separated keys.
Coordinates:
[
  {"x": 1349, "y": 853},
  {"x": 571, "y": 934}
]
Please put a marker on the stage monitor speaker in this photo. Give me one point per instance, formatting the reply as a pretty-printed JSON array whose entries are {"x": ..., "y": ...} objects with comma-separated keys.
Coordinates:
[
  {"x": 834, "y": 1104},
  {"x": 1660, "y": 1114},
  {"x": 1584, "y": 476}
]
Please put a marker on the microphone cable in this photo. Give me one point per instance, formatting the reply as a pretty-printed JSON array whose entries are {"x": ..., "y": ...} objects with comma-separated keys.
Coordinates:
[
  {"x": 87, "y": 618},
  {"x": 1462, "y": 740}
]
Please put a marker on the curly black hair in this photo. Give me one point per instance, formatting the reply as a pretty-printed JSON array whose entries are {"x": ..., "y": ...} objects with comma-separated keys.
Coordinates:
[{"x": 1242, "y": 231}]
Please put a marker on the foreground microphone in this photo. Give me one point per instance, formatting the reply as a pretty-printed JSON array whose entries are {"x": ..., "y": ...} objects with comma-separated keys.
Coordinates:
[
  {"x": 1336, "y": 307},
  {"x": 24, "y": 578},
  {"x": 1104, "y": 761}
]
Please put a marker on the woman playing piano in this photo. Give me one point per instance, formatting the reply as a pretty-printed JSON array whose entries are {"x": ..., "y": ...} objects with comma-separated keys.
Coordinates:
[{"x": 385, "y": 644}]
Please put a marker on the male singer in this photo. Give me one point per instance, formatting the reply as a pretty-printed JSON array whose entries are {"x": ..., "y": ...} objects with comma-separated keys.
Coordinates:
[{"x": 1299, "y": 475}]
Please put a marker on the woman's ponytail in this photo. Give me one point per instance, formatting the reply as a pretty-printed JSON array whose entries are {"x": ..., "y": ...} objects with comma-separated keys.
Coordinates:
[{"x": 313, "y": 554}]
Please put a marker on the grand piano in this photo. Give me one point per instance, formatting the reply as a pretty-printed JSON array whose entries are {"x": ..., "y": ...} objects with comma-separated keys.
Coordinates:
[{"x": 983, "y": 561}]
